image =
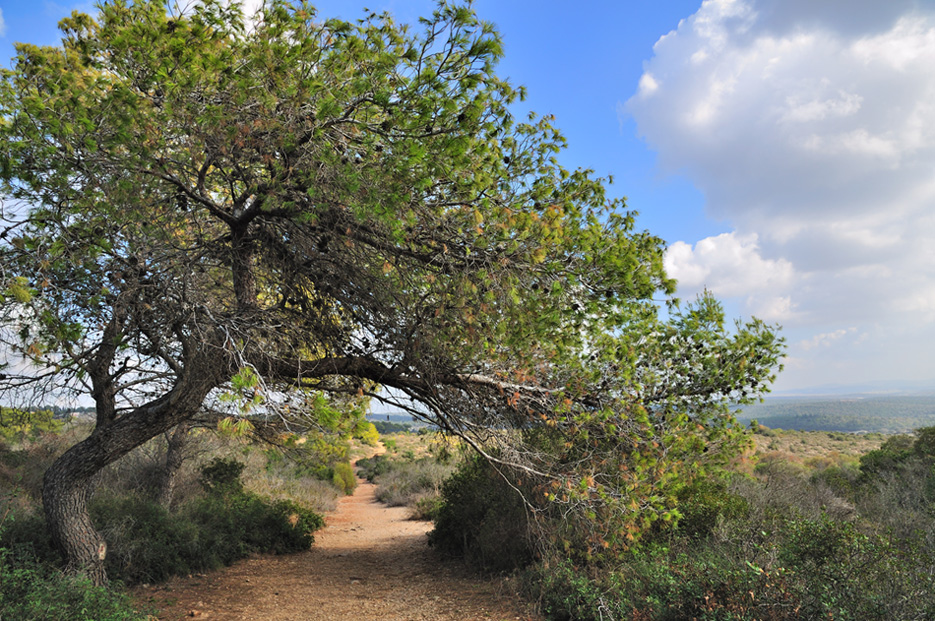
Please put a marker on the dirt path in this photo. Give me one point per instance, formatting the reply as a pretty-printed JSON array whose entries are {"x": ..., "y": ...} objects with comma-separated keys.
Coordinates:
[{"x": 369, "y": 562}]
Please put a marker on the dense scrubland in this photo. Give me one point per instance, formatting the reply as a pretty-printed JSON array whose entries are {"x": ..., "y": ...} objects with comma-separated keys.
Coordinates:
[
  {"x": 802, "y": 525},
  {"x": 808, "y": 525},
  {"x": 233, "y": 495}
]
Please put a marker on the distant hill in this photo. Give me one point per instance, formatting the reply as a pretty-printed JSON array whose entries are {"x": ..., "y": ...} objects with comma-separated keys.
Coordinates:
[
  {"x": 885, "y": 414},
  {"x": 881, "y": 388}
]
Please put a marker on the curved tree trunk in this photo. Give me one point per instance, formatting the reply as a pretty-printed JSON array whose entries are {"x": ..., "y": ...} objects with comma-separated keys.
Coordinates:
[
  {"x": 68, "y": 483},
  {"x": 67, "y": 488}
]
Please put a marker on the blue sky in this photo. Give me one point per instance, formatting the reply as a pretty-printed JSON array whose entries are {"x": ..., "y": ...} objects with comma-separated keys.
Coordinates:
[{"x": 784, "y": 149}]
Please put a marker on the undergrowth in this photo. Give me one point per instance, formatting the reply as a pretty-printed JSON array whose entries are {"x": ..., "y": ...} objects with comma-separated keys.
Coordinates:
[
  {"x": 825, "y": 539},
  {"x": 36, "y": 591}
]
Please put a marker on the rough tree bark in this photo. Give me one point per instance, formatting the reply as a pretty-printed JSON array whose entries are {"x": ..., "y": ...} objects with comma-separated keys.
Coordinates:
[
  {"x": 68, "y": 483},
  {"x": 175, "y": 455}
]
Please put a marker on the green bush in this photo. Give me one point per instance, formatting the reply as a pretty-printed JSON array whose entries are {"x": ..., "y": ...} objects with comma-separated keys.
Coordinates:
[
  {"x": 222, "y": 476},
  {"x": 427, "y": 508},
  {"x": 841, "y": 572},
  {"x": 804, "y": 569},
  {"x": 146, "y": 543},
  {"x": 34, "y": 591},
  {"x": 565, "y": 592},
  {"x": 372, "y": 467},
  {"x": 27, "y": 533},
  {"x": 704, "y": 502},
  {"x": 483, "y": 519},
  {"x": 344, "y": 478},
  {"x": 252, "y": 523},
  {"x": 367, "y": 433},
  {"x": 18, "y": 425}
]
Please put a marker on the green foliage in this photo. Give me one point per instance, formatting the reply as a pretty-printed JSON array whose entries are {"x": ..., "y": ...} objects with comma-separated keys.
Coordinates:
[
  {"x": 344, "y": 478},
  {"x": 372, "y": 467},
  {"x": 19, "y": 425},
  {"x": 28, "y": 535},
  {"x": 483, "y": 520},
  {"x": 897, "y": 451},
  {"x": 841, "y": 568},
  {"x": 30, "y": 590},
  {"x": 924, "y": 444},
  {"x": 806, "y": 569},
  {"x": 313, "y": 454},
  {"x": 385, "y": 427},
  {"x": 367, "y": 433},
  {"x": 765, "y": 547},
  {"x": 213, "y": 524},
  {"x": 222, "y": 476},
  {"x": 148, "y": 544},
  {"x": 703, "y": 503},
  {"x": 841, "y": 480},
  {"x": 427, "y": 508}
]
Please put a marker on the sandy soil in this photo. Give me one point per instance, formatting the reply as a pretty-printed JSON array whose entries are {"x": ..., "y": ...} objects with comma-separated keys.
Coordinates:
[{"x": 369, "y": 562}]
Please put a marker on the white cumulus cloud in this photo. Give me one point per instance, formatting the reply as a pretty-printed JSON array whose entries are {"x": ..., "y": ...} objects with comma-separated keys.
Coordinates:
[
  {"x": 730, "y": 265},
  {"x": 810, "y": 129}
]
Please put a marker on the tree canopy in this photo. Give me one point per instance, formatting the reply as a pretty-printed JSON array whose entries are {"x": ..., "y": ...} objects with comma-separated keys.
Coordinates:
[{"x": 265, "y": 215}]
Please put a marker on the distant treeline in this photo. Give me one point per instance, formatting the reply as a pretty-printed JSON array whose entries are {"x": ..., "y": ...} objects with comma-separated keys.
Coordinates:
[
  {"x": 388, "y": 427},
  {"x": 880, "y": 414},
  {"x": 57, "y": 411}
]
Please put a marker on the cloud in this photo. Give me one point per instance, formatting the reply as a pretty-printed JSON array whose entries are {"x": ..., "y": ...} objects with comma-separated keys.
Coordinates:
[
  {"x": 2, "y": 24},
  {"x": 730, "y": 265},
  {"x": 827, "y": 338},
  {"x": 810, "y": 129}
]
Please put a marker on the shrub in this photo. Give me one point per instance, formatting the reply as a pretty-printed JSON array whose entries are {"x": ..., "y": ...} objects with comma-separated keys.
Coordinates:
[
  {"x": 222, "y": 476},
  {"x": 704, "y": 502},
  {"x": 31, "y": 590},
  {"x": 148, "y": 544},
  {"x": 482, "y": 519},
  {"x": 145, "y": 542},
  {"x": 407, "y": 481},
  {"x": 344, "y": 478},
  {"x": 367, "y": 433},
  {"x": 27, "y": 533},
  {"x": 564, "y": 592},
  {"x": 372, "y": 467},
  {"x": 894, "y": 452},
  {"x": 427, "y": 508}
]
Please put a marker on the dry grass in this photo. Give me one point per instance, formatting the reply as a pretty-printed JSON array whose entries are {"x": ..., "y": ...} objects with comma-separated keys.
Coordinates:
[{"x": 803, "y": 446}]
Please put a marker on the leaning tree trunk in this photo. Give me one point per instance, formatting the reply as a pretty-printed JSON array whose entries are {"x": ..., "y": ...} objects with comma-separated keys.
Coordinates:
[
  {"x": 66, "y": 491},
  {"x": 67, "y": 485}
]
